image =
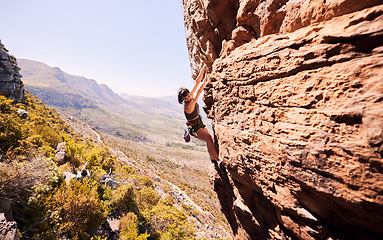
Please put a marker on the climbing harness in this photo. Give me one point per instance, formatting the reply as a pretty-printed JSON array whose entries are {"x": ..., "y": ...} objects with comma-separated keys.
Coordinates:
[{"x": 194, "y": 125}]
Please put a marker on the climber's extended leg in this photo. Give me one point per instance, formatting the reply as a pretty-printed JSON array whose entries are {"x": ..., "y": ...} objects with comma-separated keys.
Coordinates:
[{"x": 204, "y": 135}]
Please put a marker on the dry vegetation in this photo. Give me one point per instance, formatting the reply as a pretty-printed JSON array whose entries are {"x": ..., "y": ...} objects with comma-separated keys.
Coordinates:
[
  {"x": 47, "y": 208},
  {"x": 182, "y": 176}
]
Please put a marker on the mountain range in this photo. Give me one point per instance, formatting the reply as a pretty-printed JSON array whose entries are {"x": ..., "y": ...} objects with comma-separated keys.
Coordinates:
[{"x": 137, "y": 118}]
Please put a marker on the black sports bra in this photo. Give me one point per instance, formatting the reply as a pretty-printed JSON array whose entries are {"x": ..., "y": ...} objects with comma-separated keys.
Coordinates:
[{"x": 194, "y": 114}]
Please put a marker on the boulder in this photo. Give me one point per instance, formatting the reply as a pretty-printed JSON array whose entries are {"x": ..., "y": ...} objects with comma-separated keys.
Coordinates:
[
  {"x": 8, "y": 229},
  {"x": 60, "y": 153}
]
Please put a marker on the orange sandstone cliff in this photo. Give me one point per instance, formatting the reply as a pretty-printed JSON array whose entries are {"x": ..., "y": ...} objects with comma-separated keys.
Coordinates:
[{"x": 295, "y": 95}]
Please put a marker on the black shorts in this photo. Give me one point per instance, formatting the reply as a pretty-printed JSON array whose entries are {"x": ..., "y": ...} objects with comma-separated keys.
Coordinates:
[{"x": 194, "y": 125}]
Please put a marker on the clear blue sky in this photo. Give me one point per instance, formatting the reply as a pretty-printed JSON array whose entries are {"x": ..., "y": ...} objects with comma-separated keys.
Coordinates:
[{"x": 135, "y": 47}]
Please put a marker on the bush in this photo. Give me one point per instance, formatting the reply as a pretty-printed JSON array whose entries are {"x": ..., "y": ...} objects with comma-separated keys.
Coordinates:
[
  {"x": 11, "y": 127},
  {"x": 49, "y": 135},
  {"x": 129, "y": 228},
  {"x": 122, "y": 199},
  {"x": 19, "y": 179},
  {"x": 146, "y": 198},
  {"x": 169, "y": 222},
  {"x": 100, "y": 157},
  {"x": 36, "y": 215},
  {"x": 79, "y": 207},
  {"x": 74, "y": 152},
  {"x": 143, "y": 181}
]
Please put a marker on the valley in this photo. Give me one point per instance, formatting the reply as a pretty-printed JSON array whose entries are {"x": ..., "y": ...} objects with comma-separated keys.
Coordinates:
[{"x": 144, "y": 133}]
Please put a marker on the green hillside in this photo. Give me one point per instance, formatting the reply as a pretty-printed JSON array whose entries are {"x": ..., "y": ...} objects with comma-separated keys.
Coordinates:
[{"x": 47, "y": 207}]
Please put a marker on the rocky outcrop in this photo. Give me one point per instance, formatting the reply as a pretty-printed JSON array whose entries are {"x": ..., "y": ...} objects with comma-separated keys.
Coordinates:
[
  {"x": 215, "y": 27},
  {"x": 60, "y": 153},
  {"x": 295, "y": 96},
  {"x": 11, "y": 85},
  {"x": 8, "y": 229}
]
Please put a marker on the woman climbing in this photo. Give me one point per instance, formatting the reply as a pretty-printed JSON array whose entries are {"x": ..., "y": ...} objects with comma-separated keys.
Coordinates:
[{"x": 191, "y": 110}]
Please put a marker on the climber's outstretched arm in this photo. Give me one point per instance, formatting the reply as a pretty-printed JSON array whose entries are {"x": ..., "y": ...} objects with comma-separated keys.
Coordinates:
[
  {"x": 198, "y": 80},
  {"x": 200, "y": 88}
]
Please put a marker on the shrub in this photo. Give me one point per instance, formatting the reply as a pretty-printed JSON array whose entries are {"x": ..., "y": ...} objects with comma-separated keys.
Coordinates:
[
  {"x": 108, "y": 163},
  {"x": 169, "y": 222},
  {"x": 122, "y": 199},
  {"x": 11, "y": 127},
  {"x": 37, "y": 215},
  {"x": 100, "y": 157},
  {"x": 123, "y": 172},
  {"x": 18, "y": 179},
  {"x": 128, "y": 169},
  {"x": 42, "y": 129},
  {"x": 79, "y": 207},
  {"x": 143, "y": 180},
  {"x": 74, "y": 152},
  {"x": 146, "y": 198},
  {"x": 129, "y": 228},
  {"x": 49, "y": 135}
]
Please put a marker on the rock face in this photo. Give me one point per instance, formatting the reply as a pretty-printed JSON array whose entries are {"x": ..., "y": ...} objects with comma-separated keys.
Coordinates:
[
  {"x": 11, "y": 85},
  {"x": 296, "y": 99}
]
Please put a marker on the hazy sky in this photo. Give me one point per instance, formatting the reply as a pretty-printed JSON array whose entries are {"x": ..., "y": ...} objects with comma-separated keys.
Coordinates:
[{"x": 135, "y": 47}]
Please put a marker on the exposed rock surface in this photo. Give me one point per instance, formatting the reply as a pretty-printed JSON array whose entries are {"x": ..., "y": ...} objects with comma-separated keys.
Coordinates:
[
  {"x": 215, "y": 27},
  {"x": 60, "y": 153},
  {"x": 11, "y": 85},
  {"x": 296, "y": 98},
  {"x": 8, "y": 229}
]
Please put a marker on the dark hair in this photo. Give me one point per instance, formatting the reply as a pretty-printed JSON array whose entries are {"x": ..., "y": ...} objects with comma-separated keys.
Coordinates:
[{"x": 182, "y": 92}]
